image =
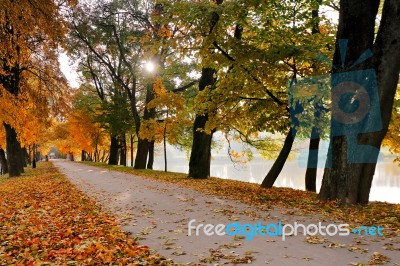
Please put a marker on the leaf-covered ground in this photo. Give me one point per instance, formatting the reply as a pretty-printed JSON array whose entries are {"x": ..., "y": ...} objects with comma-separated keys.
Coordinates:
[
  {"x": 376, "y": 213},
  {"x": 45, "y": 220}
]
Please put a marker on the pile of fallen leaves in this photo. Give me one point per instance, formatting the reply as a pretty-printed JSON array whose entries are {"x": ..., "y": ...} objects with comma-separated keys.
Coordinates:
[
  {"x": 384, "y": 214},
  {"x": 44, "y": 220}
]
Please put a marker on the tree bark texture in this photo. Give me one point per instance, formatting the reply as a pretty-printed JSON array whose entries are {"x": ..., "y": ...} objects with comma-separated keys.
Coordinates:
[{"x": 351, "y": 182}]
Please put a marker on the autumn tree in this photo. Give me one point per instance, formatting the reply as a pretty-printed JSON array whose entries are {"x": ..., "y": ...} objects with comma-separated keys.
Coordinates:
[
  {"x": 115, "y": 39},
  {"x": 59, "y": 135},
  {"x": 112, "y": 34},
  {"x": 253, "y": 56},
  {"x": 27, "y": 54},
  {"x": 355, "y": 145},
  {"x": 200, "y": 157},
  {"x": 171, "y": 117},
  {"x": 88, "y": 124}
]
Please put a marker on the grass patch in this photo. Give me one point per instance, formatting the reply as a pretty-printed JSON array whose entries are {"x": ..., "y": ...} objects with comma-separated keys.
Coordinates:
[
  {"x": 384, "y": 214},
  {"x": 46, "y": 220},
  {"x": 3, "y": 178}
]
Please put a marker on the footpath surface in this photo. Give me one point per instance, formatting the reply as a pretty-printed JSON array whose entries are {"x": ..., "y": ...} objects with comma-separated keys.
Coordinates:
[{"x": 158, "y": 214}]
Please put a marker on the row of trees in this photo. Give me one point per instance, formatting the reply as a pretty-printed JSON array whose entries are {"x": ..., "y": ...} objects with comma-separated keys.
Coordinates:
[
  {"x": 214, "y": 66},
  {"x": 243, "y": 53},
  {"x": 229, "y": 66},
  {"x": 31, "y": 84}
]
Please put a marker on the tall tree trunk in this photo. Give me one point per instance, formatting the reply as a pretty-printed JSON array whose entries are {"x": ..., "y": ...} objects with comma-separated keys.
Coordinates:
[
  {"x": 141, "y": 154},
  {"x": 276, "y": 169},
  {"x": 3, "y": 162},
  {"x": 200, "y": 156},
  {"x": 96, "y": 153},
  {"x": 132, "y": 150},
  {"x": 34, "y": 159},
  {"x": 113, "y": 159},
  {"x": 29, "y": 155},
  {"x": 24, "y": 157},
  {"x": 150, "y": 162},
  {"x": 13, "y": 151},
  {"x": 122, "y": 160},
  {"x": 143, "y": 149},
  {"x": 356, "y": 26},
  {"x": 21, "y": 158},
  {"x": 313, "y": 148},
  {"x": 312, "y": 162},
  {"x": 83, "y": 156},
  {"x": 38, "y": 156},
  {"x": 165, "y": 147},
  {"x": 349, "y": 180}
]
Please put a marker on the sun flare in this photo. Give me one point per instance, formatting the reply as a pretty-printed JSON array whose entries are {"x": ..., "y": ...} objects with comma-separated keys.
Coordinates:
[{"x": 149, "y": 66}]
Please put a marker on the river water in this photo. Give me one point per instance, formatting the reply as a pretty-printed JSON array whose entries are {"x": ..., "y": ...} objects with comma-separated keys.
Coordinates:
[{"x": 385, "y": 186}]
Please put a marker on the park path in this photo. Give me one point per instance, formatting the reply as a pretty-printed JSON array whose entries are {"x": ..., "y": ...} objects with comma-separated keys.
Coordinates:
[{"x": 158, "y": 213}]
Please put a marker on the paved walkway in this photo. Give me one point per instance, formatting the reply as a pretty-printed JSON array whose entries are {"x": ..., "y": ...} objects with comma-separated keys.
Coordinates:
[{"x": 158, "y": 214}]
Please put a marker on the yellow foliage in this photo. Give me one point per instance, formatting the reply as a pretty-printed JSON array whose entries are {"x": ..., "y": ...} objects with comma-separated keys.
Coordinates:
[
  {"x": 165, "y": 32},
  {"x": 151, "y": 130},
  {"x": 86, "y": 133},
  {"x": 79, "y": 133},
  {"x": 173, "y": 107},
  {"x": 31, "y": 82},
  {"x": 159, "y": 88}
]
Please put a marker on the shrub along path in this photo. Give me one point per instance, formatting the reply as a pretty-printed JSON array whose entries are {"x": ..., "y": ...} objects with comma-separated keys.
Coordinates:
[{"x": 156, "y": 208}]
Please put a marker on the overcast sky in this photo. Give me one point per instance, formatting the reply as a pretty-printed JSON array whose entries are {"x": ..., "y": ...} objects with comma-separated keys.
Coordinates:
[{"x": 68, "y": 70}]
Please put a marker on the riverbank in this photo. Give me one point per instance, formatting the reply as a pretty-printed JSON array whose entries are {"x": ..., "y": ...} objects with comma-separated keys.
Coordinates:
[{"x": 384, "y": 214}]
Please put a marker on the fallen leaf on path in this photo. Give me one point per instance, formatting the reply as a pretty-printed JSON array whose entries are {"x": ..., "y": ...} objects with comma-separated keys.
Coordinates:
[{"x": 45, "y": 220}]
